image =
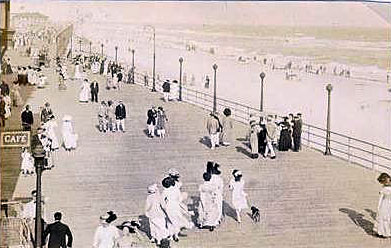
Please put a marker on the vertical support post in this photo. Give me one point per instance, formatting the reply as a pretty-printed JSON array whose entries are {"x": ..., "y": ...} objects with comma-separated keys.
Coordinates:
[
  {"x": 180, "y": 78},
  {"x": 132, "y": 81},
  {"x": 39, "y": 161},
  {"x": 329, "y": 88},
  {"x": 214, "y": 89},
  {"x": 116, "y": 54},
  {"x": 262, "y": 76}
]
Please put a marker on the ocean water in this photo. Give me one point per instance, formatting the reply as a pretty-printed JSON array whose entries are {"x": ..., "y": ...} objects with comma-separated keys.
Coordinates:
[{"x": 360, "y": 108}]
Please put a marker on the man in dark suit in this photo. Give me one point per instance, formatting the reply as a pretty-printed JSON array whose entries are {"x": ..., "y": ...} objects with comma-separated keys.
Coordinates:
[
  {"x": 5, "y": 89},
  {"x": 27, "y": 119},
  {"x": 94, "y": 91},
  {"x": 166, "y": 90},
  {"x": 297, "y": 125},
  {"x": 57, "y": 232},
  {"x": 120, "y": 116}
]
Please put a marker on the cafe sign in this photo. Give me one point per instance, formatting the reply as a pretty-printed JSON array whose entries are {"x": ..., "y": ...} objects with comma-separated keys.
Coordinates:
[{"x": 15, "y": 139}]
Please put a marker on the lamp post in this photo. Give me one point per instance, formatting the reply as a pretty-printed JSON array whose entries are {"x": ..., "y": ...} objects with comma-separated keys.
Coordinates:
[
  {"x": 329, "y": 88},
  {"x": 154, "y": 59},
  {"x": 101, "y": 45},
  {"x": 180, "y": 78},
  {"x": 39, "y": 161},
  {"x": 90, "y": 47},
  {"x": 116, "y": 53},
  {"x": 132, "y": 66},
  {"x": 214, "y": 90},
  {"x": 262, "y": 76}
]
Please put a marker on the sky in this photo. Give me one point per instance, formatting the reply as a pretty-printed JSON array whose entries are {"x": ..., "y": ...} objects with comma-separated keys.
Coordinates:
[{"x": 220, "y": 12}]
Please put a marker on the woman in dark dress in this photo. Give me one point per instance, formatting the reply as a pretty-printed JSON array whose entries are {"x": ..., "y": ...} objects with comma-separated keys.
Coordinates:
[
  {"x": 262, "y": 137},
  {"x": 285, "y": 142}
]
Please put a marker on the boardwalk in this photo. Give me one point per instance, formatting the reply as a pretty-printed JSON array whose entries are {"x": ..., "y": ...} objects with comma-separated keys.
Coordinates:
[{"x": 306, "y": 199}]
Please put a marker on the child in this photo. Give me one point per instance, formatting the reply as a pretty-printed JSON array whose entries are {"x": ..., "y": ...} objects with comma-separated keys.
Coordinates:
[
  {"x": 27, "y": 162},
  {"x": 239, "y": 200},
  {"x": 383, "y": 225}
]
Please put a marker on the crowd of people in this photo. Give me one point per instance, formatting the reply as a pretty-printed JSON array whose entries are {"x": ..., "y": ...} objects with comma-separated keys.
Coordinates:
[
  {"x": 168, "y": 214},
  {"x": 264, "y": 138}
]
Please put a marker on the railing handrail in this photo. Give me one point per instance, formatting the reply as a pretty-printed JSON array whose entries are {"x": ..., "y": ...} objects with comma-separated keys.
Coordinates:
[{"x": 348, "y": 137}]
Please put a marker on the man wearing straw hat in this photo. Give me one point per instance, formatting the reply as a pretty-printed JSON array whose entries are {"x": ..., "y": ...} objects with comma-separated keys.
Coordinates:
[{"x": 271, "y": 132}]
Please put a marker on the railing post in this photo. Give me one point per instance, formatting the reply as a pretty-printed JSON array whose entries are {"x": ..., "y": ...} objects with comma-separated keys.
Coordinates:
[
  {"x": 308, "y": 135},
  {"x": 349, "y": 149}
]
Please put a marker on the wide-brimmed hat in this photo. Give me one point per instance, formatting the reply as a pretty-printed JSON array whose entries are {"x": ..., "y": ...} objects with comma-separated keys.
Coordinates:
[
  {"x": 109, "y": 217},
  {"x": 173, "y": 172},
  {"x": 236, "y": 173},
  {"x": 67, "y": 118},
  {"x": 152, "y": 188}
]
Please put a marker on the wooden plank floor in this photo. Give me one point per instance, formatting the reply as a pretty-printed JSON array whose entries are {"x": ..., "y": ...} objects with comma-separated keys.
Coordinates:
[{"x": 306, "y": 199}]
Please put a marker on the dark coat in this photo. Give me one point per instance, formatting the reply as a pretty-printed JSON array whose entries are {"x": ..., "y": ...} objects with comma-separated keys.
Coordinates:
[
  {"x": 94, "y": 87},
  {"x": 166, "y": 87},
  {"x": 152, "y": 115},
  {"x": 27, "y": 117},
  {"x": 45, "y": 114},
  {"x": 120, "y": 112},
  {"x": 57, "y": 232},
  {"x": 297, "y": 125},
  {"x": 2, "y": 108},
  {"x": 5, "y": 89}
]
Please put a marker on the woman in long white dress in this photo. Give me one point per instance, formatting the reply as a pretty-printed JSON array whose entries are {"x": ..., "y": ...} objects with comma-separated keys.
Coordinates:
[
  {"x": 213, "y": 169},
  {"x": 239, "y": 200},
  {"x": 78, "y": 72},
  {"x": 130, "y": 237},
  {"x": 84, "y": 91},
  {"x": 50, "y": 132},
  {"x": 68, "y": 135},
  {"x": 172, "y": 207},
  {"x": 383, "y": 223},
  {"x": 156, "y": 215},
  {"x": 27, "y": 166},
  {"x": 106, "y": 235},
  {"x": 8, "y": 102},
  {"x": 182, "y": 196},
  {"x": 208, "y": 209}
]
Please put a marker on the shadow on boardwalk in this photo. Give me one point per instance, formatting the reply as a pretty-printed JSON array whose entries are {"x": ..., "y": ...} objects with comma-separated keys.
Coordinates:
[{"x": 359, "y": 220}]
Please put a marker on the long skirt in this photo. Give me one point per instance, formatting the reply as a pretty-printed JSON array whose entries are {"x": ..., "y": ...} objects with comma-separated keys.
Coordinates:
[
  {"x": 285, "y": 142},
  {"x": 158, "y": 228},
  {"x": 70, "y": 140},
  {"x": 262, "y": 141}
]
